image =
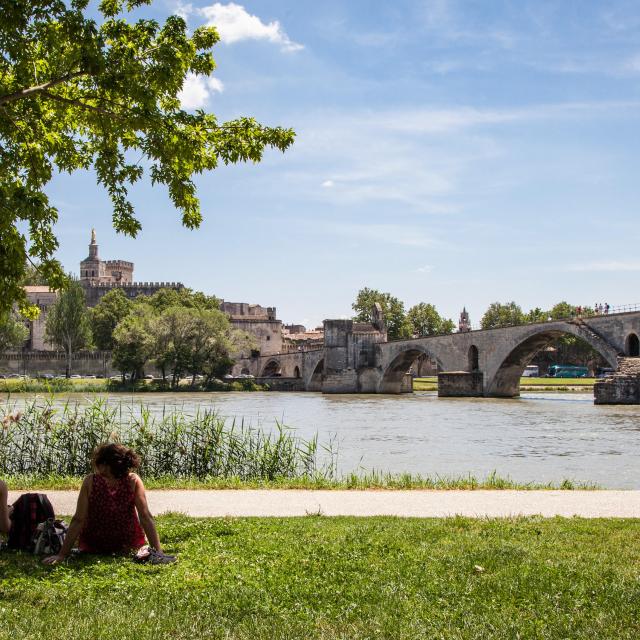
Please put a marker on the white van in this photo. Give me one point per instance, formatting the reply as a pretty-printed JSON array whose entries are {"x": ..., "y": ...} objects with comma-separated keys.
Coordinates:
[{"x": 532, "y": 371}]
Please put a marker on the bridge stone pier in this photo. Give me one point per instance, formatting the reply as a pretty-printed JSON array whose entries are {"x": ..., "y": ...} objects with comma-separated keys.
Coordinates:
[{"x": 358, "y": 358}]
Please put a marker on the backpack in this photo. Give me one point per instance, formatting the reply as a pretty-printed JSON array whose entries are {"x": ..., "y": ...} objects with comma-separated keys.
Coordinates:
[
  {"x": 49, "y": 537},
  {"x": 29, "y": 510}
]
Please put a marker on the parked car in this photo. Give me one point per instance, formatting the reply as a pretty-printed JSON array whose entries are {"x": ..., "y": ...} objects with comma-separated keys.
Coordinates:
[
  {"x": 531, "y": 371},
  {"x": 149, "y": 377}
]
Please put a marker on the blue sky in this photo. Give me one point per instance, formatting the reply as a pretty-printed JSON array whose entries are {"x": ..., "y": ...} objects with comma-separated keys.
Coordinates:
[{"x": 452, "y": 152}]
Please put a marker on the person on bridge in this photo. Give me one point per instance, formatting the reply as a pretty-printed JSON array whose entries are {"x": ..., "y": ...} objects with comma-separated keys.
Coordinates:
[{"x": 606, "y": 307}]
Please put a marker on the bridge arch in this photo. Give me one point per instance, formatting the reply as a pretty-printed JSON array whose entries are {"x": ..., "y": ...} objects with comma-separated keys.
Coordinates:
[
  {"x": 314, "y": 379},
  {"x": 272, "y": 369},
  {"x": 296, "y": 372},
  {"x": 502, "y": 377},
  {"x": 473, "y": 357},
  {"x": 394, "y": 375},
  {"x": 632, "y": 345}
]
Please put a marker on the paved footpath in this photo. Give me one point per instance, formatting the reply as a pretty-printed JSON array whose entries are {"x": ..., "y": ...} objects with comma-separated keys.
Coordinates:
[{"x": 415, "y": 503}]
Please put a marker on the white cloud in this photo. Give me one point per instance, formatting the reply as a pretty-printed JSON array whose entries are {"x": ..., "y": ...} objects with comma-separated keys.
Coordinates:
[
  {"x": 327, "y": 184},
  {"x": 183, "y": 10},
  {"x": 197, "y": 90},
  {"x": 426, "y": 269},
  {"x": 234, "y": 24}
]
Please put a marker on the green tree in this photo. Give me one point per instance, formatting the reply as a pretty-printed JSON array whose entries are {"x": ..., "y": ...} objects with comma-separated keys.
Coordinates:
[
  {"x": 425, "y": 320},
  {"x": 13, "y": 333},
  {"x": 392, "y": 309},
  {"x": 502, "y": 315},
  {"x": 536, "y": 315},
  {"x": 562, "y": 310},
  {"x": 105, "y": 316},
  {"x": 68, "y": 326},
  {"x": 76, "y": 93},
  {"x": 162, "y": 299},
  {"x": 134, "y": 342}
]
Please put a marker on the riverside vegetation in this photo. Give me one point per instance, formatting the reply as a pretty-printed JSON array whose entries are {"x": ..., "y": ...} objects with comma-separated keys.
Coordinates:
[
  {"x": 50, "y": 447},
  {"x": 331, "y": 578}
]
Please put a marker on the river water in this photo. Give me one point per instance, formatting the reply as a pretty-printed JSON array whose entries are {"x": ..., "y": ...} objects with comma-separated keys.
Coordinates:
[{"x": 536, "y": 438}]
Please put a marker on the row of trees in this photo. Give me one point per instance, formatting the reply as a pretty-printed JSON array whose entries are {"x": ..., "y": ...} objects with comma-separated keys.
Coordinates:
[
  {"x": 183, "y": 333},
  {"x": 509, "y": 314},
  {"x": 422, "y": 319}
]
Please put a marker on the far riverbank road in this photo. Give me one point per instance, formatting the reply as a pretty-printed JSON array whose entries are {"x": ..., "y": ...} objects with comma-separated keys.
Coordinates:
[{"x": 413, "y": 503}]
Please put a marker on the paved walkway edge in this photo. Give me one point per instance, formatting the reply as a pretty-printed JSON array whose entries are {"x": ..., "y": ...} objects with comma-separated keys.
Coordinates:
[{"x": 414, "y": 503}]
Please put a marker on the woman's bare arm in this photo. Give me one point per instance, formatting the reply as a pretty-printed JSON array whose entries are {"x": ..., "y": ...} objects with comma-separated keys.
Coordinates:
[
  {"x": 146, "y": 519},
  {"x": 77, "y": 522},
  {"x": 5, "y": 523}
]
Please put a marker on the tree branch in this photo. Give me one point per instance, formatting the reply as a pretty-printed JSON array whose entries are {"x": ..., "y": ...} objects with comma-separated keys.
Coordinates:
[
  {"x": 79, "y": 103},
  {"x": 24, "y": 93}
]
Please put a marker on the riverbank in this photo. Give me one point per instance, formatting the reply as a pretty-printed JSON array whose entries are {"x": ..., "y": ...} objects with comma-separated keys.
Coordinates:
[
  {"x": 527, "y": 385},
  {"x": 100, "y": 385},
  {"x": 353, "y": 481},
  {"x": 329, "y": 578}
]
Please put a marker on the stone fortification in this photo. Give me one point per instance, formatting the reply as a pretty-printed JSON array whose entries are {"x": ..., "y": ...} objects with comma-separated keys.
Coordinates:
[
  {"x": 623, "y": 387},
  {"x": 258, "y": 321},
  {"x": 98, "y": 277},
  {"x": 95, "y": 291}
]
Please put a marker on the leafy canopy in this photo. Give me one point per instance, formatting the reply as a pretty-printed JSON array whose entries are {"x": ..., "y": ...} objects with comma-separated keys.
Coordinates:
[
  {"x": 425, "y": 320},
  {"x": 68, "y": 326},
  {"x": 78, "y": 94},
  {"x": 392, "y": 310}
]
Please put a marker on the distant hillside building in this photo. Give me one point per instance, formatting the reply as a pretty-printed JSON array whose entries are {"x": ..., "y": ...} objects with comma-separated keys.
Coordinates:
[{"x": 98, "y": 277}]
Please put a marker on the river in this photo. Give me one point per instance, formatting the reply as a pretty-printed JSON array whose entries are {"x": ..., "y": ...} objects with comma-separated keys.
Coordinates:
[{"x": 536, "y": 438}]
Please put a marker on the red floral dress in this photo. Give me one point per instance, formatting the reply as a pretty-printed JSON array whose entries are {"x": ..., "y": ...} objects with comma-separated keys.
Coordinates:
[{"x": 112, "y": 524}]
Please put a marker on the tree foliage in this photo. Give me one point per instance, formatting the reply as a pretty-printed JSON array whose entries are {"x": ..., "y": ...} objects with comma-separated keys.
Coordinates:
[
  {"x": 392, "y": 309},
  {"x": 68, "y": 326},
  {"x": 13, "y": 333},
  {"x": 134, "y": 341},
  {"x": 182, "y": 332},
  {"x": 113, "y": 307},
  {"x": 425, "y": 320},
  {"x": 80, "y": 94},
  {"x": 502, "y": 315}
]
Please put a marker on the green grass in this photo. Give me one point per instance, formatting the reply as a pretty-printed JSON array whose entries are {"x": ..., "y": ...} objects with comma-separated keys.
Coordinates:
[
  {"x": 346, "y": 578},
  {"x": 371, "y": 480},
  {"x": 526, "y": 384},
  {"x": 100, "y": 385}
]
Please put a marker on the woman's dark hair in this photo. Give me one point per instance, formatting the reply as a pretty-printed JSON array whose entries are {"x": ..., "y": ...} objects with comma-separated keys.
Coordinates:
[{"x": 120, "y": 459}]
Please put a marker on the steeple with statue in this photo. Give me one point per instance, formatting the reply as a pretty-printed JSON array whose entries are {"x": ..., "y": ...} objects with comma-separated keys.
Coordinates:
[{"x": 95, "y": 271}]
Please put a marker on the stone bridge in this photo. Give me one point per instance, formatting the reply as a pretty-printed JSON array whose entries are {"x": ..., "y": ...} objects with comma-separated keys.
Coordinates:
[{"x": 485, "y": 362}]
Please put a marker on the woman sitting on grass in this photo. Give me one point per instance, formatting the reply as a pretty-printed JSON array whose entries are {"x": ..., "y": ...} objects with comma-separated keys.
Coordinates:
[
  {"x": 5, "y": 523},
  {"x": 105, "y": 520}
]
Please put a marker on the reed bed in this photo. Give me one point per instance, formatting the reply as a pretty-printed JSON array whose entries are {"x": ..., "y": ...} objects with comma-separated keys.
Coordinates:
[{"x": 45, "y": 440}]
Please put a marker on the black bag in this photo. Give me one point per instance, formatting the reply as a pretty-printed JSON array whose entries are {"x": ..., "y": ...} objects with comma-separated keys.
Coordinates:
[
  {"x": 49, "y": 537},
  {"x": 29, "y": 510}
]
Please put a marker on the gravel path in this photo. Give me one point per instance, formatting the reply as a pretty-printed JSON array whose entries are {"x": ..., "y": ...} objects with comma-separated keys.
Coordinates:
[{"x": 416, "y": 503}]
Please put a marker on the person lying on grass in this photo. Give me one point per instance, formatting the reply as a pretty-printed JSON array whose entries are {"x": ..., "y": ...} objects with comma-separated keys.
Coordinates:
[
  {"x": 5, "y": 523},
  {"x": 106, "y": 521}
]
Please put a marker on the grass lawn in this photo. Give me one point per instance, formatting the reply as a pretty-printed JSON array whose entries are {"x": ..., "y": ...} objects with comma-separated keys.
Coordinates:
[
  {"x": 526, "y": 384},
  {"x": 319, "y": 577}
]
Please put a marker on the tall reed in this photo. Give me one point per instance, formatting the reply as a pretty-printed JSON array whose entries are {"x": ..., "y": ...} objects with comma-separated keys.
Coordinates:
[{"x": 44, "y": 440}]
